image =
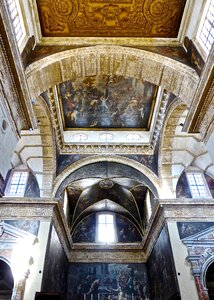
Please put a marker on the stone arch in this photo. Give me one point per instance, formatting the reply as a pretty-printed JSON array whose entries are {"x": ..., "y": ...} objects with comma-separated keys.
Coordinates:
[
  {"x": 179, "y": 149},
  {"x": 9, "y": 279},
  {"x": 172, "y": 75},
  {"x": 205, "y": 267},
  {"x": 107, "y": 158}
]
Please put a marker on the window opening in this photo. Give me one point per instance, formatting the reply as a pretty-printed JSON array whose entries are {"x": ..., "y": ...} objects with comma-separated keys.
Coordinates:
[
  {"x": 106, "y": 228},
  {"x": 197, "y": 185},
  {"x": 205, "y": 34},
  {"x": 18, "y": 183},
  {"x": 17, "y": 20}
]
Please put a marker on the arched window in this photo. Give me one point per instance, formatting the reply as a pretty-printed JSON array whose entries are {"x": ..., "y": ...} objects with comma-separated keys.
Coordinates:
[
  {"x": 6, "y": 280},
  {"x": 17, "y": 182},
  {"x": 210, "y": 280},
  {"x": 198, "y": 185},
  {"x": 106, "y": 232}
]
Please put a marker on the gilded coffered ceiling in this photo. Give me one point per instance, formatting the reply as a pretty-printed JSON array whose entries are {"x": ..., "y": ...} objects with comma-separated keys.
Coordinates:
[{"x": 110, "y": 18}]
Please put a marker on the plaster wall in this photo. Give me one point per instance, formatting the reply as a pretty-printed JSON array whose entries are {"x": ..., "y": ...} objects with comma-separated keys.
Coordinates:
[
  {"x": 195, "y": 17},
  {"x": 185, "y": 278},
  {"x": 210, "y": 146},
  {"x": 33, "y": 282},
  {"x": 8, "y": 142}
]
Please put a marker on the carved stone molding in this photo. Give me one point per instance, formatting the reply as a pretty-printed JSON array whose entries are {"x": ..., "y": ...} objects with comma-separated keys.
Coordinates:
[
  {"x": 108, "y": 256},
  {"x": 171, "y": 75}
]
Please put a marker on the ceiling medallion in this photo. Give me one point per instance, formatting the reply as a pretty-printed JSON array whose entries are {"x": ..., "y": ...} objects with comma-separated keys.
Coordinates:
[{"x": 106, "y": 184}]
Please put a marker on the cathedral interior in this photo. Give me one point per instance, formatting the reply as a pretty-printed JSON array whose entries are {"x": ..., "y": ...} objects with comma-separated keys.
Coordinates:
[{"x": 106, "y": 142}]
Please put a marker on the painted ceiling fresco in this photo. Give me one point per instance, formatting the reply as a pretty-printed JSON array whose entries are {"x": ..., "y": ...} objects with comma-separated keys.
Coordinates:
[
  {"x": 110, "y": 18},
  {"x": 107, "y": 102}
]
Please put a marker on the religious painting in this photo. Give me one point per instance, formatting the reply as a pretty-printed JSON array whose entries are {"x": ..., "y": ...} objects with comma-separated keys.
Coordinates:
[
  {"x": 161, "y": 269},
  {"x": 109, "y": 102},
  {"x": 102, "y": 281},
  {"x": 85, "y": 232},
  {"x": 126, "y": 231}
]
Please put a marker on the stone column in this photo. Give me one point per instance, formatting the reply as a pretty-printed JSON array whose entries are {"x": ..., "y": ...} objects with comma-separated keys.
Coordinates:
[{"x": 203, "y": 294}]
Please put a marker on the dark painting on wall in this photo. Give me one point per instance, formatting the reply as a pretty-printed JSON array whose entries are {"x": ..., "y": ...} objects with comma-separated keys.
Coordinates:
[
  {"x": 85, "y": 232},
  {"x": 186, "y": 229},
  {"x": 182, "y": 188},
  {"x": 210, "y": 183},
  {"x": 161, "y": 269},
  {"x": 56, "y": 267},
  {"x": 102, "y": 281},
  {"x": 32, "y": 187},
  {"x": 64, "y": 161},
  {"x": 196, "y": 59},
  {"x": 107, "y": 102},
  {"x": 126, "y": 231}
]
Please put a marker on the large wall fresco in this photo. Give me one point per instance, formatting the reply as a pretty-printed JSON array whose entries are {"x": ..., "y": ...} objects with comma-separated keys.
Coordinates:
[
  {"x": 161, "y": 270},
  {"x": 85, "y": 232},
  {"x": 107, "y": 102},
  {"x": 56, "y": 267},
  {"x": 93, "y": 281}
]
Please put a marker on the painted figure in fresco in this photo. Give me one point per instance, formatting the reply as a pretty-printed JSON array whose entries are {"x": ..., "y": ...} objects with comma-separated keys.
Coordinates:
[
  {"x": 93, "y": 102},
  {"x": 104, "y": 106},
  {"x": 94, "y": 287}
]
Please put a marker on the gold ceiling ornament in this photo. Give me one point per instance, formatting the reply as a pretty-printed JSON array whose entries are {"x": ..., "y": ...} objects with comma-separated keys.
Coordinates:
[{"x": 111, "y": 18}]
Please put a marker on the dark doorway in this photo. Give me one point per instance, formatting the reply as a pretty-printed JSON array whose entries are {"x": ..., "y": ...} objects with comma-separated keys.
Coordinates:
[
  {"x": 6, "y": 281},
  {"x": 210, "y": 281}
]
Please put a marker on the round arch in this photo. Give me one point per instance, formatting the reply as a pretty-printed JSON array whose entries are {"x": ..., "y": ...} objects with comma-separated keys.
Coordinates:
[
  {"x": 108, "y": 158},
  {"x": 8, "y": 279},
  {"x": 171, "y": 75}
]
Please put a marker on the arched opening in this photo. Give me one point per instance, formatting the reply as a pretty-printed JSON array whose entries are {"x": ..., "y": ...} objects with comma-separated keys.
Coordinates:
[
  {"x": 6, "y": 281},
  {"x": 210, "y": 281}
]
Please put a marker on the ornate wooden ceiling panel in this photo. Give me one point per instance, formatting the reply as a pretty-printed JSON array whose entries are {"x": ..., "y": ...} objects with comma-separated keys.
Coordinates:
[{"x": 110, "y": 18}]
